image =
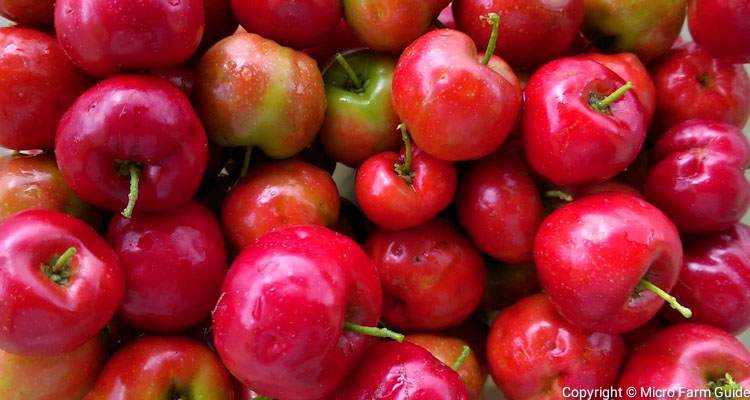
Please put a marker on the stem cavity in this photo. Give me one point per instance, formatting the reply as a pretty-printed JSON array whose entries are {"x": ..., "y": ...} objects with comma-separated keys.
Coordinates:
[
  {"x": 349, "y": 71},
  {"x": 373, "y": 331},
  {"x": 494, "y": 20},
  {"x": 671, "y": 300},
  {"x": 58, "y": 270},
  {"x": 603, "y": 104}
]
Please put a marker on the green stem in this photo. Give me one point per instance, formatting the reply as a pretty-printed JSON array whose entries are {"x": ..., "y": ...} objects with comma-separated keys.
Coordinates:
[
  {"x": 559, "y": 194},
  {"x": 135, "y": 176},
  {"x": 462, "y": 358},
  {"x": 494, "y": 20},
  {"x": 604, "y": 103},
  {"x": 246, "y": 161},
  {"x": 671, "y": 300},
  {"x": 724, "y": 387},
  {"x": 374, "y": 331},
  {"x": 63, "y": 260},
  {"x": 349, "y": 70},
  {"x": 404, "y": 169}
]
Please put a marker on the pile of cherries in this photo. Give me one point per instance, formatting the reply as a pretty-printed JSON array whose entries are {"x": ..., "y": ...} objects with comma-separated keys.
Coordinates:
[{"x": 548, "y": 192}]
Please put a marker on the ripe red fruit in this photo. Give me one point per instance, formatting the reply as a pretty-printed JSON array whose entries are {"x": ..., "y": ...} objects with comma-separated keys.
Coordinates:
[
  {"x": 38, "y": 84},
  {"x": 580, "y": 122},
  {"x": 280, "y": 322},
  {"x": 277, "y": 195},
  {"x": 104, "y": 37},
  {"x": 691, "y": 83},
  {"x": 531, "y": 31},
  {"x": 400, "y": 191},
  {"x": 132, "y": 138},
  {"x": 163, "y": 367},
  {"x": 499, "y": 199},
  {"x": 60, "y": 283},
  {"x": 534, "y": 353},
  {"x": 631, "y": 69},
  {"x": 174, "y": 264},
  {"x": 596, "y": 256},
  {"x": 698, "y": 176},
  {"x": 688, "y": 357},
  {"x": 721, "y": 27},
  {"x": 299, "y": 24},
  {"x": 39, "y": 13},
  {"x": 456, "y": 107},
  {"x": 432, "y": 277},
  {"x": 393, "y": 371},
  {"x": 715, "y": 280}
]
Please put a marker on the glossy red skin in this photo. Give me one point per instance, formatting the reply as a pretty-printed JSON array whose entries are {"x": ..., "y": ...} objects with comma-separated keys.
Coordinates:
[
  {"x": 569, "y": 142},
  {"x": 531, "y": 31},
  {"x": 391, "y": 25},
  {"x": 163, "y": 367},
  {"x": 698, "y": 176},
  {"x": 39, "y": 13},
  {"x": 391, "y": 202},
  {"x": 37, "y": 316},
  {"x": 277, "y": 195},
  {"x": 681, "y": 96},
  {"x": 455, "y": 107},
  {"x": 339, "y": 41},
  {"x": 278, "y": 325},
  {"x": 38, "y": 84},
  {"x": 432, "y": 277},
  {"x": 132, "y": 118},
  {"x": 30, "y": 182},
  {"x": 104, "y": 37},
  {"x": 592, "y": 253},
  {"x": 686, "y": 356},
  {"x": 448, "y": 349},
  {"x": 66, "y": 376},
  {"x": 631, "y": 69},
  {"x": 721, "y": 27},
  {"x": 174, "y": 264},
  {"x": 715, "y": 280},
  {"x": 297, "y": 24},
  {"x": 533, "y": 353},
  {"x": 499, "y": 199},
  {"x": 395, "y": 371}
]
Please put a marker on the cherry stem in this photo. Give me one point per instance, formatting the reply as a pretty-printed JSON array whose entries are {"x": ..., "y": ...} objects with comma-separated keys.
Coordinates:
[
  {"x": 63, "y": 260},
  {"x": 349, "y": 70},
  {"x": 494, "y": 20},
  {"x": 135, "y": 176},
  {"x": 373, "y": 331},
  {"x": 246, "y": 161},
  {"x": 604, "y": 103},
  {"x": 404, "y": 169},
  {"x": 727, "y": 387},
  {"x": 462, "y": 358},
  {"x": 559, "y": 194},
  {"x": 671, "y": 300}
]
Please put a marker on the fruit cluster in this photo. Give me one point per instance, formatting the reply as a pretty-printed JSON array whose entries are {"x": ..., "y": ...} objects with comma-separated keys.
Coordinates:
[{"x": 546, "y": 192}]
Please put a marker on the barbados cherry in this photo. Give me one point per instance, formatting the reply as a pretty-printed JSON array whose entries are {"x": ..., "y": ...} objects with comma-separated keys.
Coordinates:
[
  {"x": 132, "y": 140},
  {"x": 174, "y": 264},
  {"x": 403, "y": 191},
  {"x": 721, "y": 27},
  {"x": 581, "y": 122},
  {"x": 277, "y": 195},
  {"x": 39, "y": 84},
  {"x": 534, "y": 353},
  {"x": 698, "y": 176},
  {"x": 607, "y": 260},
  {"x": 457, "y": 105},
  {"x": 432, "y": 277},
  {"x": 60, "y": 283}
]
